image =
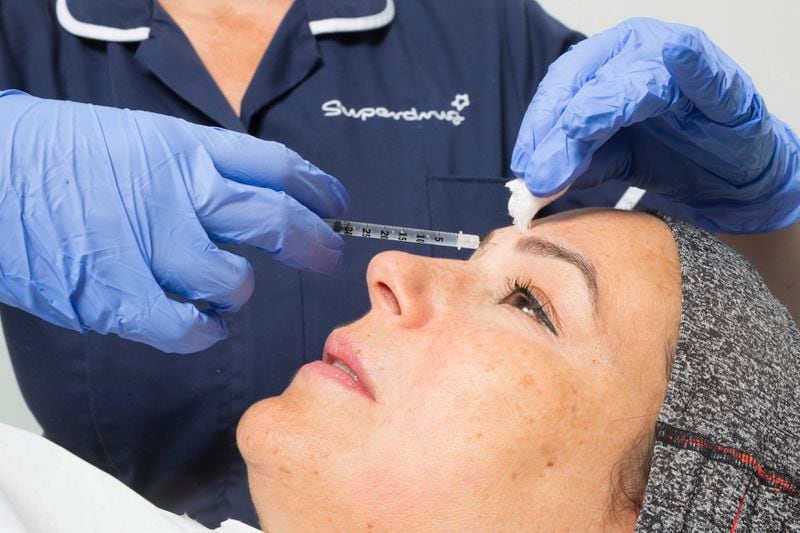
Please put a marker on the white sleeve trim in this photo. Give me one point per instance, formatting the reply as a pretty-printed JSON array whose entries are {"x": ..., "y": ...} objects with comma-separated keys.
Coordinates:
[
  {"x": 95, "y": 31},
  {"x": 352, "y": 24},
  {"x": 630, "y": 198}
]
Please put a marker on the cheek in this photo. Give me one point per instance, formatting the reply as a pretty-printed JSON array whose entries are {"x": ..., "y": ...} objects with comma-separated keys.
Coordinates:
[
  {"x": 508, "y": 407},
  {"x": 481, "y": 410}
]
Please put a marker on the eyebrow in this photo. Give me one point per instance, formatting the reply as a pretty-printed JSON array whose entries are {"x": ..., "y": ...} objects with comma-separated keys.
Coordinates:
[{"x": 543, "y": 248}]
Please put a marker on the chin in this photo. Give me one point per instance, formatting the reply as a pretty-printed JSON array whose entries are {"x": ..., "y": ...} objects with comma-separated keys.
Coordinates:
[{"x": 254, "y": 431}]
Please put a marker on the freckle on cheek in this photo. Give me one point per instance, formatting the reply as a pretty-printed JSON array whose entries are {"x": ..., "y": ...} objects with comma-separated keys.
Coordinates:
[
  {"x": 513, "y": 475},
  {"x": 547, "y": 452},
  {"x": 478, "y": 435},
  {"x": 526, "y": 380}
]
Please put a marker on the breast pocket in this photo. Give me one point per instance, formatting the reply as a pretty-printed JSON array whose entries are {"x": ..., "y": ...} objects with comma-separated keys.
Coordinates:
[{"x": 472, "y": 204}]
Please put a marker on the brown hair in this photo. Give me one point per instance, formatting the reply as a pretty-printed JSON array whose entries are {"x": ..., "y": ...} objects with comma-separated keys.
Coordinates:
[{"x": 629, "y": 475}]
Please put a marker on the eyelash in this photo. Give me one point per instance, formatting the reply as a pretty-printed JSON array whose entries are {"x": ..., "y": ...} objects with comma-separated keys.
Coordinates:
[{"x": 522, "y": 291}]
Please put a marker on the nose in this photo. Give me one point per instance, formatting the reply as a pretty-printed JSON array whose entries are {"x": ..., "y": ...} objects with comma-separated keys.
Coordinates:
[{"x": 401, "y": 287}]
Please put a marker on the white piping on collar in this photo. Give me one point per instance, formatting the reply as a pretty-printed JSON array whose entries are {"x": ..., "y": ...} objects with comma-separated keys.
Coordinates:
[
  {"x": 351, "y": 24},
  {"x": 95, "y": 31}
]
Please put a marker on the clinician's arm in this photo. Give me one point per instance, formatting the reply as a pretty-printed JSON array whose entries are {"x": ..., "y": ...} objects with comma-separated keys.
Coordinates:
[
  {"x": 104, "y": 211},
  {"x": 776, "y": 256},
  {"x": 659, "y": 106}
]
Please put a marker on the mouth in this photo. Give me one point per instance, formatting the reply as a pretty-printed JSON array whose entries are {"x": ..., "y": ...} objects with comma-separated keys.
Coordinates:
[
  {"x": 341, "y": 354},
  {"x": 347, "y": 370}
]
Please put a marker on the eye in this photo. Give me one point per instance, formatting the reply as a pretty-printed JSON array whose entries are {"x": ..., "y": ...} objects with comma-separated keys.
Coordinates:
[{"x": 519, "y": 294}]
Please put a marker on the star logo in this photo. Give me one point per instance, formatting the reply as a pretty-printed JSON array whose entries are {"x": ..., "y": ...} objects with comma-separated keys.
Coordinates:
[{"x": 460, "y": 101}]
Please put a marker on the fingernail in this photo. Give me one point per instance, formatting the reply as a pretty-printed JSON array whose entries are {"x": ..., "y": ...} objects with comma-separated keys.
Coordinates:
[
  {"x": 339, "y": 192},
  {"x": 224, "y": 332},
  {"x": 339, "y": 259},
  {"x": 331, "y": 240},
  {"x": 680, "y": 47},
  {"x": 519, "y": 161},
  {"x": 327, "y": 261}
]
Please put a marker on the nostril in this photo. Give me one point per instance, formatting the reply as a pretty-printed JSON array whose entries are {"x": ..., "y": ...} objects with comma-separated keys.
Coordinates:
[{"x": 388, "y": 297}]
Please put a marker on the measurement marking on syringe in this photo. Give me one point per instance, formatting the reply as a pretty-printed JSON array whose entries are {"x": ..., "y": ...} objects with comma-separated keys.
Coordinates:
[{"x": 351, "y": 228}]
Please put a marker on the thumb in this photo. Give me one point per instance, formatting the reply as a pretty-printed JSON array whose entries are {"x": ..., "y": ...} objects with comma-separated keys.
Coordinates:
[
  {"x": 173, "y": 327},
  {"x": 550, "y": 169},
  {"x": 563, "y": 161}
]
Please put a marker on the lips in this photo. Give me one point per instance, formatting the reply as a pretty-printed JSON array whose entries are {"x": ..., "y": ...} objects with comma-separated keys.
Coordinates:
[{"x": 342, "y": 354}]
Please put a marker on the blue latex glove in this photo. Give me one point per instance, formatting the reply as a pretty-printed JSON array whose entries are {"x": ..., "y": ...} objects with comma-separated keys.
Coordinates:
[
  {"x": 661, "y": 107},
  {"x": 102, "y": 210}
]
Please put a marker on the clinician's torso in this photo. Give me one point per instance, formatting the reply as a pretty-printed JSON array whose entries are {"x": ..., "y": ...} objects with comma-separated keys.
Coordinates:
[{"x": 416, "y": 115}]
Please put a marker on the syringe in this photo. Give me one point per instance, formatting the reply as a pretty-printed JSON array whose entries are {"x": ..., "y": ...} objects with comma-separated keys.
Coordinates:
[{"x": 399, "y": 233}]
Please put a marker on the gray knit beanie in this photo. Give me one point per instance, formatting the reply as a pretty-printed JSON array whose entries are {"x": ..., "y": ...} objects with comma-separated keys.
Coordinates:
[{"x": 727, "y": 452}]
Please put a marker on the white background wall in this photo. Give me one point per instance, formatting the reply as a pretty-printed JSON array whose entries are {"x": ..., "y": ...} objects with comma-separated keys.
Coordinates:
[{"x": 760, "y": 36}]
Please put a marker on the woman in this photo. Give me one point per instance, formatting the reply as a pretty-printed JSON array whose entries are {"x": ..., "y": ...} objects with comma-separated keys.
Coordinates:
[
  {"x": 524, "y": 390},
  {"x": 499, "y": 392},
  {"x": 416, "y": 105}
]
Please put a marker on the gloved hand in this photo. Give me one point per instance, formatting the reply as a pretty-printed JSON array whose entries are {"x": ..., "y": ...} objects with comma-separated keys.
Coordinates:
[
  {"x": 659, "y": 106},
  {"x": 102, "y": 210}
]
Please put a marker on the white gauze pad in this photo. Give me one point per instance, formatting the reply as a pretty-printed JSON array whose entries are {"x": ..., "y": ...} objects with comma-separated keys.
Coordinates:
[{"x": 523, "y": 206}]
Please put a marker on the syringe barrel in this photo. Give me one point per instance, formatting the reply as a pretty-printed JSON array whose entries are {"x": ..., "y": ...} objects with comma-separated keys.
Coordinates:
[{"x": 353, "y": 228}]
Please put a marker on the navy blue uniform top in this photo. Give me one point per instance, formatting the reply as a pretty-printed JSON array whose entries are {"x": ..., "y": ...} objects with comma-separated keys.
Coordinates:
[{"x": 414, "y": 106}]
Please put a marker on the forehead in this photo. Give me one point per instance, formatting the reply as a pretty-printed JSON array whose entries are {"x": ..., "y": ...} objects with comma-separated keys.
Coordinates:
[{"x": 608, "y": 237}]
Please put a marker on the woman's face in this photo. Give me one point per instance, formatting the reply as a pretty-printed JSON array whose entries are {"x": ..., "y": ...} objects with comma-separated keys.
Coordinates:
[{"x": 493, "y": 393}]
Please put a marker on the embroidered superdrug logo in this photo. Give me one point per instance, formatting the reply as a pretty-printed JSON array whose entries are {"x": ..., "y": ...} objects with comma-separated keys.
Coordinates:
[{"x": 335, "y": 108}]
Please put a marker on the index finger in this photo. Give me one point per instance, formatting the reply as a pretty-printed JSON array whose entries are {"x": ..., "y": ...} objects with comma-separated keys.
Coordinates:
[
  {"x": 252, "y": 161},
  {"x": 711, "y": 79},
  {"x": 563, "y": 80}
]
